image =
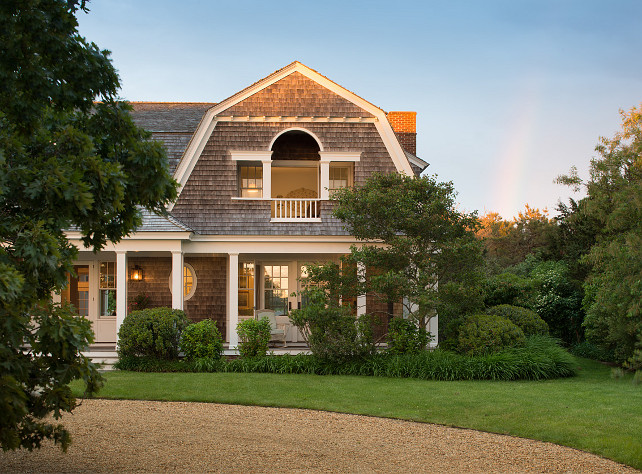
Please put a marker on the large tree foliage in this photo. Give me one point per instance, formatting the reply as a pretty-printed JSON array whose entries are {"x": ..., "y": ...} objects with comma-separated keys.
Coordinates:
[
  {"x": 418, "y": 248},
  {"x": 613, "y": 287},
  {"x": 509, "y": 242},
  {"x": 65, "y": 160}
]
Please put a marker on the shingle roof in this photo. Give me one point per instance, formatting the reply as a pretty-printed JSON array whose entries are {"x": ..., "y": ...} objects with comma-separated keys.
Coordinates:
[
  {"x": 173, "y": 117},
  {"x": 172, "y": 123},
  {"x": 155, "y": 223}
]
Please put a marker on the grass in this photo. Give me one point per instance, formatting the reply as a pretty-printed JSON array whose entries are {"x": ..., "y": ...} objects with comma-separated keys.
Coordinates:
[{"x": 591, "y": 412}]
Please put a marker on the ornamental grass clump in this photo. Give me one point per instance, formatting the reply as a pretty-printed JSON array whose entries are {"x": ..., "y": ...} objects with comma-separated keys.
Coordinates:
[{"x": 152, "y": 332}]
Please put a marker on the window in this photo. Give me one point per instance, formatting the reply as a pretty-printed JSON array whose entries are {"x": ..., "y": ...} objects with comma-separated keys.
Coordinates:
[
  {"x": 340, "y": 177},
  {"x": 276, "y": 288},
  {"x": 250, "y": 181},
  {"x": 246, "y": 289},
  {"x": 107, "y": 288},
  {"x": 189, "y": 281}
]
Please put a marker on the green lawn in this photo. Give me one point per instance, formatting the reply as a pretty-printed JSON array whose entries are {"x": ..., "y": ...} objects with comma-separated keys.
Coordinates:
[{"x": 592, "y": 411}]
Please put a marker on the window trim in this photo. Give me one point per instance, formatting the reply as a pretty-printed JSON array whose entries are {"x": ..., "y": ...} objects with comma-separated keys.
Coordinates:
[{"x": 194, "y": 281}]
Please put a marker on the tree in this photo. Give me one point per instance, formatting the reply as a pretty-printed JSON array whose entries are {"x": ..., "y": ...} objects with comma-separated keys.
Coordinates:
[
  {"x": 613, "y": 287},
  {"x": 65, "y": 161},
  {"x": 418, "y": 249},
  {"x": 508, "y": 243}
]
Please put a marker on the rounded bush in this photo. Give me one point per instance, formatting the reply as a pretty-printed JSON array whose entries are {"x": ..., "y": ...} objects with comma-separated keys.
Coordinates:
[
  {"x": 152, "y": 332},
  {"x": 529, "y": 321},
  {"x": 202, "y": 339},
  {"x": 254, "y": 337},
  {"x": 406, "y": 337},
  {"x": 487, "y": 333}
]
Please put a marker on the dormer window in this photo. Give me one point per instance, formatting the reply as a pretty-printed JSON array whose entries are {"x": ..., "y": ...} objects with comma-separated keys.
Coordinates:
[{"x": 250, "y": 180}]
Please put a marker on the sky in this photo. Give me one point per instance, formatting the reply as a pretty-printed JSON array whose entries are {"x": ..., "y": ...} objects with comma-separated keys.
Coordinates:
[{"x": 509, "y": 94}]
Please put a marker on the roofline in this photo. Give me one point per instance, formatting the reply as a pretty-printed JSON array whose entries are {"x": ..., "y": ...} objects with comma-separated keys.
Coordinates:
[{"x": 208, "y": 121}]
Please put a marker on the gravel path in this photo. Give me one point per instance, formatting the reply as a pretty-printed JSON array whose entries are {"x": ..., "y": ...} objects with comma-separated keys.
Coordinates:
[{"x": 142, "y": 436}]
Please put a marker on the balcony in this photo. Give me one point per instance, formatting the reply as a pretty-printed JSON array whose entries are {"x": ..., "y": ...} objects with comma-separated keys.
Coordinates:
[{"x": 295, "y": 210}]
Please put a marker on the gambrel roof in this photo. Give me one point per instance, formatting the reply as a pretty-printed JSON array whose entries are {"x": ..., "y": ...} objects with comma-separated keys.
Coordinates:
[{"x": 266, "y": 101}]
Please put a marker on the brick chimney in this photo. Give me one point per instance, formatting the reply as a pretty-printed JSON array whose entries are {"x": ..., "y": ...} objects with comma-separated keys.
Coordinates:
[{"x": 405, "y": 126}]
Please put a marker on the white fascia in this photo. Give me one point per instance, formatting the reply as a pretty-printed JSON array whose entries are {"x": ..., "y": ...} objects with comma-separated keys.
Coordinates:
[
  {"x": 343, "y": 156},
  {"x": 207, "y": 124}
]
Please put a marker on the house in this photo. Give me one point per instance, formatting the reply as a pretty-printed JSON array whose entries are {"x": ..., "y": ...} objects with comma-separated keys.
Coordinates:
[{"x": 256, "y": 172}]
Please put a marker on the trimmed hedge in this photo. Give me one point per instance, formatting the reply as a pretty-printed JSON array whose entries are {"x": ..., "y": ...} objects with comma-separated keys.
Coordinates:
[
  {"x": 152, "y": 332},
  {"x": 487, "y": 333},
  {"x": 539, "y": 358},
  {"x": 529, "y": 321},
  {"x": 202, "y": 339}
]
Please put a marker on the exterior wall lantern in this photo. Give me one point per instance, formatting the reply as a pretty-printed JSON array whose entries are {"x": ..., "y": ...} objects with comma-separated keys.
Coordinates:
[{"x": 137, "y": 273}]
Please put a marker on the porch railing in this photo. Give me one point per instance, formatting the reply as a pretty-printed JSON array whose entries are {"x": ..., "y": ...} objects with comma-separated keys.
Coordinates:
[{"x": 295, "y": 210}]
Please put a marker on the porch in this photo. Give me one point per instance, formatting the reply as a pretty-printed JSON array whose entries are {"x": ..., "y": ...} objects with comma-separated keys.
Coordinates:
[{"x": 106, "y": 354}]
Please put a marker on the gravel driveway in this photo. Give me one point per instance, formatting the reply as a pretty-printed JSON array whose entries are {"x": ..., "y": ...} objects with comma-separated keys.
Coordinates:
[{"x": 143, "y": 436}]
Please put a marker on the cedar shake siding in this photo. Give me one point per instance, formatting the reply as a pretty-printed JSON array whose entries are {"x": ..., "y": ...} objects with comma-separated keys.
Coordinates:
[
  {"x": 296, "y": 95},
  {"x": 206, "y": 203},
  {"x": 208, "y": 301},
  {"x": 156, "y": 282}
]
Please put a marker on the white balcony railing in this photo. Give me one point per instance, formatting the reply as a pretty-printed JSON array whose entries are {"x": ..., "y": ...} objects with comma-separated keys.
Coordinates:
[{"x": 295, "y": 210}]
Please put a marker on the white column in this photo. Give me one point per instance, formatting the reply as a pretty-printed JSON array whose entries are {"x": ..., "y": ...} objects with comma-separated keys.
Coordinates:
[
  {"x": 361, "y": 299},
  {"x": 233, "y": 299},
  {"x": 324, "y": 192},
  {"x": 433, "y": 329},
  {"x": 177, "y": 279},
  {"x": 121, "y": 288},
  {"x": 267, "y": 179}
]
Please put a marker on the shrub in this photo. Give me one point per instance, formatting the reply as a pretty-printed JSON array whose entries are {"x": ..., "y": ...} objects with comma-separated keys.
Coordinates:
[
  {"x": 507, "y": 288},
  {"x": 333, "y": 334},
  {"x": 406, "y": 337},
  {"x": 152, "y": 332},
  {"x": 488, "y": 333},
  {"x": 254, "y": 337},
  {"x": 202, "y": 340},
  {"x": 527, "y": 320},
  {"x": 589, "y": 350}
]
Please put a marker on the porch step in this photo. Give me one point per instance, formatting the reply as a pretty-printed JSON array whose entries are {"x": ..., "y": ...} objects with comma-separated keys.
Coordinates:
[{"x": 105, "y": 357}]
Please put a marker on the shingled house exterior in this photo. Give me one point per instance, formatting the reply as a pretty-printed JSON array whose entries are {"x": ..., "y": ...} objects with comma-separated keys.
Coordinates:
[{"x": 255, "y": 172}]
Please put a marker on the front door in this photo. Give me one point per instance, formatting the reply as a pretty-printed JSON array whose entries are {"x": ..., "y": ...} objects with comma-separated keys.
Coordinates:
[{"x": 92, "y": 291}]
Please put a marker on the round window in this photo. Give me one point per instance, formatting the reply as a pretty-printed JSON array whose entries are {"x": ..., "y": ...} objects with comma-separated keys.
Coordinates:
[{"x": 189, "y": 281}]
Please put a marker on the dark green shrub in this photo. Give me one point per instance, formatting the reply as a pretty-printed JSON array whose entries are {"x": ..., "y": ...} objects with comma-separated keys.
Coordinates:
[
  {"x": 333, "y": 334},
  {"x": 589, "y": 350},
  {"x": 406, "y": 337},
  {"x": 153, "y": 332},
  {"x": 507, "y": 288},
  {"x": 202, "y": 340},
  {"x": 539, "y": 358},
  {"x": 254, "y": 337},
  {"x": 488, "y": 333},
  {"x": 527, "y": 320}
]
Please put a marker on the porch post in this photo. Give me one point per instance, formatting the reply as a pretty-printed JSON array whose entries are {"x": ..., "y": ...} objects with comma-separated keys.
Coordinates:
[
  {"x": 121, "y": 288},
  {"x": 324, "y": 192},
  {"x": 267, "y": 179},
  {"x": 177, "y": 279},
  {"x": 361, "y": 299},
  {"x": 233, "y": 299}
]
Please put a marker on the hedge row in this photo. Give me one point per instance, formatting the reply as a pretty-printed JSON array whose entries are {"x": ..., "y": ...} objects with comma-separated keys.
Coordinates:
[{"x": 539, "y": 358}]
